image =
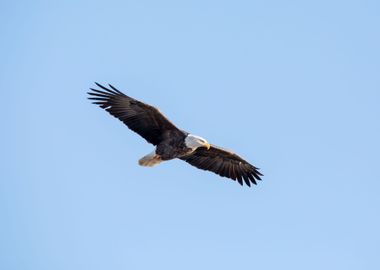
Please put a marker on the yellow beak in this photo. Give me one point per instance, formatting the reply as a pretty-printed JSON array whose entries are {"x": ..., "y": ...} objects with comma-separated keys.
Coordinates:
[{"x": 208, "y": 146}]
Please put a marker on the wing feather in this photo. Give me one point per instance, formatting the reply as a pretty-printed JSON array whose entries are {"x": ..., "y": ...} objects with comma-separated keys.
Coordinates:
[
  {"x": 225, "y": 164},
  {"x": 145, "y": 120}
]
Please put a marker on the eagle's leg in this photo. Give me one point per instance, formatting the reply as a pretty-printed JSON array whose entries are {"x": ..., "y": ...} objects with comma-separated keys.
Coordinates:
[{"x": 150, "y": 160}]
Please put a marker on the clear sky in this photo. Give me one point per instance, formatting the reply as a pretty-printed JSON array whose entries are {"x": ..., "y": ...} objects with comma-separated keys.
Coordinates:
[{"x": 292, "y": 86}]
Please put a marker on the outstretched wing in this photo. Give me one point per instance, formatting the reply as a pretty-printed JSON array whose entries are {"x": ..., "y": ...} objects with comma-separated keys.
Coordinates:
[
  {"x": 145, "y": 120},
  {"x": 224, "y": 163}
]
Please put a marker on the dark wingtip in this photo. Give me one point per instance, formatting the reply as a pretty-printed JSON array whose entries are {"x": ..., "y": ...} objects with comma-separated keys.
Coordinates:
[
  {"x": 102, "y": 87},
  {"x": 252, "y": 178},
  {"x": 258, "y": 174},
  {"x": 89, "y": 95},
  {"x": 114, "y": 89}
]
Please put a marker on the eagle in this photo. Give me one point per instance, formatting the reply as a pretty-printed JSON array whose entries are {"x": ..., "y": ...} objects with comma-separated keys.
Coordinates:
[{"x": 171, "y": 142}]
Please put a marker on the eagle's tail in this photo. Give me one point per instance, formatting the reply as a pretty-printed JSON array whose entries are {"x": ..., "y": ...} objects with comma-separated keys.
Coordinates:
[{"x": 150, "y": 160}]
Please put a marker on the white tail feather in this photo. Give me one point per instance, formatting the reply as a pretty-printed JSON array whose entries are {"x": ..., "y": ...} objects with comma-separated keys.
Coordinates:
[{"x": 150, "y": 160}]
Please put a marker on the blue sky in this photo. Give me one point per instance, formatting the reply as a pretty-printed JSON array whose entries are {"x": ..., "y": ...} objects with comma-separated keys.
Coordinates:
[{"x": 292, "y": 86}]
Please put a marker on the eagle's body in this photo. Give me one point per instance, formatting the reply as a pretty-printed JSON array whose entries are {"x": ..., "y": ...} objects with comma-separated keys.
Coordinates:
[
  {"x": 175, "y": 146},
  {"x": 170, "y": 141}
]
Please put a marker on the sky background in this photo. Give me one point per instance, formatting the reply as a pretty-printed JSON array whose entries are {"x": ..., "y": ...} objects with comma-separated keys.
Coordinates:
[{"x": 292, "y": 86}]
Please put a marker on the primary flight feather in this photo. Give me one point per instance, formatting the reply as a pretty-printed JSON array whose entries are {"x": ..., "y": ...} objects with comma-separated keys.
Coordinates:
[{"x": 171, "y": 142}]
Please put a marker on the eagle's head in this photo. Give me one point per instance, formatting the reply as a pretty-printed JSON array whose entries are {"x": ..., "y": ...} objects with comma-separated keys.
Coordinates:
[{"x": 195, "y": 142}]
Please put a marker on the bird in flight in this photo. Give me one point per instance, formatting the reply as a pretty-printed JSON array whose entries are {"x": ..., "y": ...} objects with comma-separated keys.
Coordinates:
[{"x": 170, "y": 141}]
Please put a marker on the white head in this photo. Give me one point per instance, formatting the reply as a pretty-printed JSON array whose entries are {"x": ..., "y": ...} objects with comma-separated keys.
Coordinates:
[{"x": 195, "y": 142}]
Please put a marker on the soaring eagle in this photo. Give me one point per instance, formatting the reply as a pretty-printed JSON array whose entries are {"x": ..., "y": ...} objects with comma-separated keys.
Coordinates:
[{"x": 170, "y": 141}]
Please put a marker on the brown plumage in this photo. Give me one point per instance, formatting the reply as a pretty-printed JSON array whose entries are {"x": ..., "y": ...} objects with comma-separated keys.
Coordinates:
[
  {"x": 145, "y": 120},
  {"x": 171, "y": 142},
  {"x": 224, "y": 163}
]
